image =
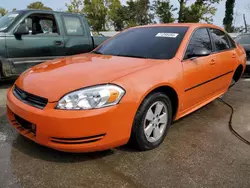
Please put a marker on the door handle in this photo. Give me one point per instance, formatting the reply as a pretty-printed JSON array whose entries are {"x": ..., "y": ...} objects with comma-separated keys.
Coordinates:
[
  {"x": 212, "y": 62},
  {"x": 58, "y": 43},
  {"x": 233, "y": 56}
]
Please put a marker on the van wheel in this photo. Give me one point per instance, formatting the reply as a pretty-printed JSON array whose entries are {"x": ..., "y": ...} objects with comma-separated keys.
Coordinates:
[{"x": 151, "y": 122}]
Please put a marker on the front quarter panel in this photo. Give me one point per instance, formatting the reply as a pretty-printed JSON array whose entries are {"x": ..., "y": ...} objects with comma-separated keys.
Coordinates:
[{"x": 139, "y": 84}]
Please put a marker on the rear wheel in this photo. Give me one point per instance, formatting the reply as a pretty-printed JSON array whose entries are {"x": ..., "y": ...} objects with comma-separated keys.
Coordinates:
[{"x": 152, "y": 121}]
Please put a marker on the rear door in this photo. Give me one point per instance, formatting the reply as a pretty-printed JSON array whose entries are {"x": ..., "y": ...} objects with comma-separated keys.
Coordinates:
[
  {"x": 44, "y": 42},
  {"x": 199, "y": 72},
  {"x": 226, "y": 58},
  {"x": 77, "y": 35}
]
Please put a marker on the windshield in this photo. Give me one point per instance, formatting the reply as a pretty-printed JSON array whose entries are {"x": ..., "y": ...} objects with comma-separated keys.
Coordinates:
[
  {"x": 145, "y": 42},
  {"x": 243, "y": 39},
  {"x": 7, "y": 20}
]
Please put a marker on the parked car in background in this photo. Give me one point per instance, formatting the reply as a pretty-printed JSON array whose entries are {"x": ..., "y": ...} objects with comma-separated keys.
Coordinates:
[
  {"x": 244, "y": 40},
  {"x": 233, "y": 35},
  {"x": 30, "y": 37},
  {"x": 129, "y": 88}
]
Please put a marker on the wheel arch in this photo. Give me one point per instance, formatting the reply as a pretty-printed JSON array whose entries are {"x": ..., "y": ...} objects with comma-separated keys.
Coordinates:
[
  {"x": 238, "y": 73},
  {"x": 170, "y": 92}
]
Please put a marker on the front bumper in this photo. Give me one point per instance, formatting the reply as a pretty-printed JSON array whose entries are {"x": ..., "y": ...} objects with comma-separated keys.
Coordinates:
[{"x": 73, "y": 131}]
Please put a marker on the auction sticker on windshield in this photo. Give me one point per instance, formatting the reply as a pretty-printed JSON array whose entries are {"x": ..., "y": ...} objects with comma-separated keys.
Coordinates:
[{"x": 168, "y": 35}]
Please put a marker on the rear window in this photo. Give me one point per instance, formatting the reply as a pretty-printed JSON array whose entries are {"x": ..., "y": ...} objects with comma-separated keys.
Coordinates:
[
  {"x": 243, "y": 39},
  {"x": 146, "y": 42}
]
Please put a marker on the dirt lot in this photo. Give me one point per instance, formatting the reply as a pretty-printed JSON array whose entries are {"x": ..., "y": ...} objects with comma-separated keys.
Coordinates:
[{"x": 199, "y": 151}]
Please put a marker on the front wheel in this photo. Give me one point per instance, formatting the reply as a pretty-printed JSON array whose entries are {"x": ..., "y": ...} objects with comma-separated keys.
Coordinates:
[{"x": 152, "y": 121}]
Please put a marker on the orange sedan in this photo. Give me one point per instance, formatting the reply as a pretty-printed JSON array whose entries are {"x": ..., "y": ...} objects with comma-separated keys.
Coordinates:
[{"x": 130, "y": 88}]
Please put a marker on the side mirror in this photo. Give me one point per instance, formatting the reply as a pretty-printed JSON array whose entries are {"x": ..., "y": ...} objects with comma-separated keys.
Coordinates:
[
  {"x": 199, "y": 52},
  {"x": 22, "y": 29}
]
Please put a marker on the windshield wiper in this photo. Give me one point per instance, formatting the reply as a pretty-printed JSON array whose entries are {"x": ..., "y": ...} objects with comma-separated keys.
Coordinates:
[
  {"x": 135, "y": 56},
  {"x": 96, "y": 52}
]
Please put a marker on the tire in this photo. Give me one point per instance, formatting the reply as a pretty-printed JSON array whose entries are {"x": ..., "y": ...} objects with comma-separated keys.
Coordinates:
[{"x": 139, "y": 137}]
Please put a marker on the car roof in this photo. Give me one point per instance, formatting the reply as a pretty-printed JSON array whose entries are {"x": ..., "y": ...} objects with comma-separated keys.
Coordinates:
[
  {"x": 193, "y": 25},
  {"x": 44, "y": 11}
]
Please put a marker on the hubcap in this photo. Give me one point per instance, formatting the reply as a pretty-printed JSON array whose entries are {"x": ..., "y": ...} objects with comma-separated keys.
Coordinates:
[{"x": 155, "y": 121}]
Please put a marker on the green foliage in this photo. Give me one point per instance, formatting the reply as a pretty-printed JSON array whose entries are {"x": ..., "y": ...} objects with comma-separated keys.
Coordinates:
[
  {"x": 181, "y": 10},
  {"x": 200, "y": 10},
  {"x": 137, "y": 13},
  {"x": 38, "y": 5},
  {"x": 164, "y": 10},
  {"x": 229, "y": 12},
  {"x": 96, "y": 13},
  {"x": 3, "y": 11},
  {"x": 75, "y": 6},
  {"x": 116, "y": 14}
]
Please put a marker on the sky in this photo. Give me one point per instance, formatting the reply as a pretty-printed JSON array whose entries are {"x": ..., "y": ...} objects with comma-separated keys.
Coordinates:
[{"x": 241, "y": 7}]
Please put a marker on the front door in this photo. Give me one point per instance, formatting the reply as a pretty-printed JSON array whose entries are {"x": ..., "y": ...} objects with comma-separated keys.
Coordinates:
[
  {"x": 199, "y": 72},
  {"x": 43, "y": 43}
]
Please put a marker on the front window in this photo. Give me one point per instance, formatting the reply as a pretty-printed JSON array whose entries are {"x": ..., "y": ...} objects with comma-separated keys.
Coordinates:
[
  {"x": 7, "y": 20},
  {"x": 145, "y": 42},
  {"x": 200, "y": 39}
]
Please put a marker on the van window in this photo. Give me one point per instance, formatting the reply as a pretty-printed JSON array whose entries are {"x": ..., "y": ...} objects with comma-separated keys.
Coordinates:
[
  {"x": 73, "y": 25},
  {"x": 42, "y": 24}
]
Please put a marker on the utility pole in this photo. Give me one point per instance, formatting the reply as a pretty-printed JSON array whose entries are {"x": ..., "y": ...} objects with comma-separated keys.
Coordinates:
[{"x": 245, "y": 22}]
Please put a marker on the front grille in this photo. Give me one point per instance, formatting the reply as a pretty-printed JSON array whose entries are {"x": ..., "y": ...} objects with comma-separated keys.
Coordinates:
[
  {"x": 28, "y": 98},
  {"x": 25, "y": 124},
  {"x": 82, "y": 140}
]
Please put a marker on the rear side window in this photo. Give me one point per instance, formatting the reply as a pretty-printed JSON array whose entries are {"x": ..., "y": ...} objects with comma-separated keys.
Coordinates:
[
  {"x": 200, "y": 39},
  {"x": 73, "y": 25},
  {"x": 220, "y": 40}
]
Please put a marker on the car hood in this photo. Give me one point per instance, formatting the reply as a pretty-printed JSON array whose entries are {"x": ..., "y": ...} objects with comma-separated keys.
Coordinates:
[{"x": 55, "y": 78}]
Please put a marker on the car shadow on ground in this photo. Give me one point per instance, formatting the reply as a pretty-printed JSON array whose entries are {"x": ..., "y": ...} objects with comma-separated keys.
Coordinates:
[
  {"x": 5, "y": 84},
  {"x": 35, "y": 150}
]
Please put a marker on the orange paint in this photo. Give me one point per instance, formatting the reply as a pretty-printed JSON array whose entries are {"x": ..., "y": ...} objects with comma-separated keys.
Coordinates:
[{"x": 196, "y": 82}]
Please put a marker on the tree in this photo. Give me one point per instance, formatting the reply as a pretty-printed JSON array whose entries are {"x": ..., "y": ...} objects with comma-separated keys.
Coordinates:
[
  {"x": 229, "y": 12},
  {"x": 38, "y": 5},
  {"x": 143, "y": 10},
  {"x": 181, "y": 9},
  {"x": 200, "y": 10},
  {"x": 75, "y": 6},
  {"x": 164, "y": 10},
  {"x": 3, "y": 11},
  {"x": 137, "y": 13},
  {"x": 96, "y": 14},
  {"x": 116, "y": 14}
]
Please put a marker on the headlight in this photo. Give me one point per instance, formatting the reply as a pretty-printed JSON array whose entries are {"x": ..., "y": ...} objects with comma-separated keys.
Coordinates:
[{"x": 92, "y": 97}]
